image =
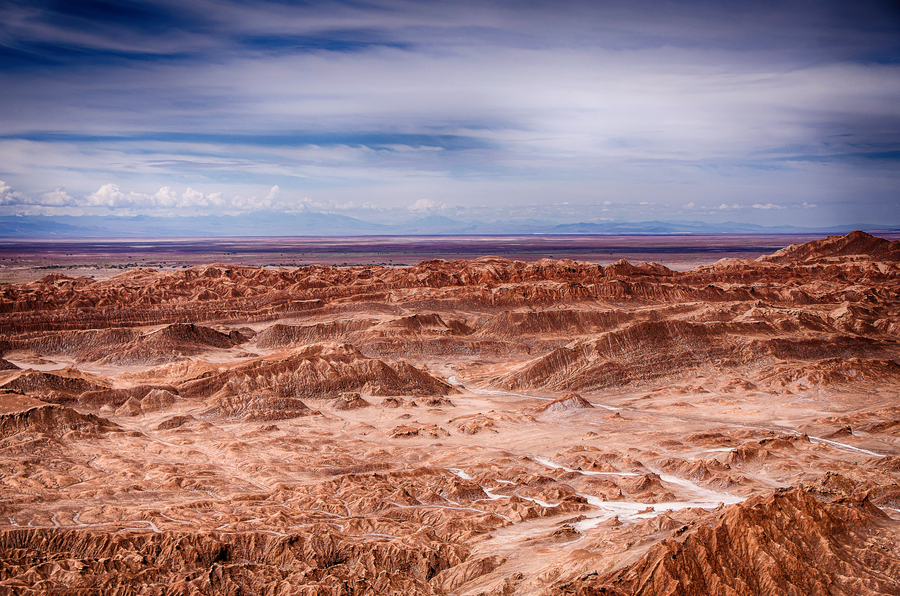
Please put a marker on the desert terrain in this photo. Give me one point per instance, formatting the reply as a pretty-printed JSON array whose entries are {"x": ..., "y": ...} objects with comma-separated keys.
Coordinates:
[{"x": 479, "y": 426}]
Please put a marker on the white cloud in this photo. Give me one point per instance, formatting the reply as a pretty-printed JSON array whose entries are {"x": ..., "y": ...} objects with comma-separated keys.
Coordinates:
[
  {"x": 272, "y": 200},
  {"x": 242, "y": 204},
  {"x": 8, "y": 196},
  {"x": 767, "y": 206},
  {"x": 809, "y": 205},
  {"x": 56, "y": 198},
  {"x": 689, "y": 205},
  {"x": 112, "y": 197},
  {"x": 194, "y": 198},
  {"x": 166, "y": 197},
  {"x": 307, "y": 204},
  {"x": 55, "y": 202},
  {"x": 422, "y": 206}
]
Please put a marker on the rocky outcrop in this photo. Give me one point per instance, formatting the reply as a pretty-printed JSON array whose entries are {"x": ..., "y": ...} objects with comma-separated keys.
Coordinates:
[
  {"x": 57, "y": 388},
  {"x": 175, "y": 422},
  {"x": 669, "y": 349},
  {"x": 570, "y": 401},
  {"x": 52, "y": 420},
  {"x": 321, "y": 371},
  {"x": 125, "y": 346},
  {"x": 285, "y": 336},
  {"x": 131, "y": 407},
  {"x": 83, "y": 562},
  {"x": 418, "y": 430},
  {"x": 157, "y": 396},
  {"x": 854, "y": 244},
  {"x": 350, "y": 401},
  {"x": 422, "y": 324},
  {"x": 256, "y": 407},
  {"x": 158, "y": 399},
  {"x": 834, "y": 371},
  {"x": 787, "y": 543},
  {"x": 169, "y": 344},
  {"x": 544, "y": 323}
]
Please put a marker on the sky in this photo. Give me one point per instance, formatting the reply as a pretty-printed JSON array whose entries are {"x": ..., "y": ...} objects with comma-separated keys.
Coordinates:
[{"x": 762, "y": 112}]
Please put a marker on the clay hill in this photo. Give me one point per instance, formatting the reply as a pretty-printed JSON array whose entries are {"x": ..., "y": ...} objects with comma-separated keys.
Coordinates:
[{"x": 487, "y": 427}]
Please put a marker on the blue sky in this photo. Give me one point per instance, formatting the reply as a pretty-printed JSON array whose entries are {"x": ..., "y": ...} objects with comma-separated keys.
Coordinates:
[{"x": 759, "y": 112}]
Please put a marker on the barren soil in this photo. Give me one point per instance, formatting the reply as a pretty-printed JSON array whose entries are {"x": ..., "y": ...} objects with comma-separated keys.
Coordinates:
[{"x": 485, "y": 426}]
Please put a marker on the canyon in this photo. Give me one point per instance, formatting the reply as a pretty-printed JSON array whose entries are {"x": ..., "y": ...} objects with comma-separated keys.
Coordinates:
[{"x": 475, "y": 427}]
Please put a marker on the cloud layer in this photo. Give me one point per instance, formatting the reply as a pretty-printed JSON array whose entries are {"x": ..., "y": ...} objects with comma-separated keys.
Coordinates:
[{"x": 395, "y": 108}]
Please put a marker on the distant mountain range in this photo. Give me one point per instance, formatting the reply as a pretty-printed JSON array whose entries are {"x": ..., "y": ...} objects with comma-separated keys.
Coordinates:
[{"x": 328, "y": 224}]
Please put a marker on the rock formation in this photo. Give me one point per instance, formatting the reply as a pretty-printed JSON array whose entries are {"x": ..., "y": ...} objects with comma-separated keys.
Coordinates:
[{"x": 415, "y": 430}]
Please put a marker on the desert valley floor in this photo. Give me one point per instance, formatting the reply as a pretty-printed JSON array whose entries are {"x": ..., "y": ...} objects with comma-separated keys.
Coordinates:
[{"x": 485, "y": 426}]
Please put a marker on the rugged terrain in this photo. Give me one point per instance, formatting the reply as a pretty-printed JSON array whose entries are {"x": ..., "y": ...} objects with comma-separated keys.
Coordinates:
[{"x": 457, "y": 427}]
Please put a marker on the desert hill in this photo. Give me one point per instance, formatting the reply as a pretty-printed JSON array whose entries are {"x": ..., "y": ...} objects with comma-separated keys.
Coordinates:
[
  {"x": 318, "y": 371},
  {"x": 855, "y": 244},
  {"x": 794, "y": 544}
]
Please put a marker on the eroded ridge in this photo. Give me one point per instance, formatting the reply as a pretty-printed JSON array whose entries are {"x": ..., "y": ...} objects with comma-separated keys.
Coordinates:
[{"x": 464, "y": 427}]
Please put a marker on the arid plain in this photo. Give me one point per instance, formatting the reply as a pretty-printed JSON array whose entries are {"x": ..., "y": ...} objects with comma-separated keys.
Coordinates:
[{"x": 485, "y": 426}]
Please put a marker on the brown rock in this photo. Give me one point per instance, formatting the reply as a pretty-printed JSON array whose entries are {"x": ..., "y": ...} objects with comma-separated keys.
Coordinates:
[{"x": 132, "y": 407}]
